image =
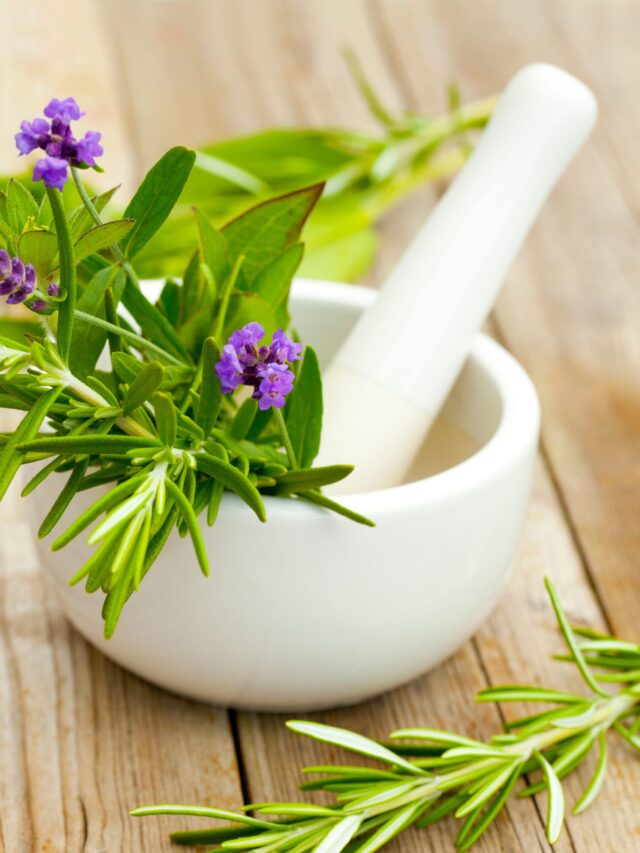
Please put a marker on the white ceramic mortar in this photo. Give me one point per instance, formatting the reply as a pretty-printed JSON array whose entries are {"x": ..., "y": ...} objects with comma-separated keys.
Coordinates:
[{"x": 311, "y": 610}]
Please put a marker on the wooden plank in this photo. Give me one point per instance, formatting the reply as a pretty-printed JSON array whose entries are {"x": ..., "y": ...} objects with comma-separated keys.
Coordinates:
[
  {"x": 82, "y": 741},
  {"x": 551, "y": 322}
]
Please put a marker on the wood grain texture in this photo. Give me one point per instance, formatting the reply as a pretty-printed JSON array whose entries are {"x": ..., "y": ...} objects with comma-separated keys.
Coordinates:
[{"x": 153, "y": 74}]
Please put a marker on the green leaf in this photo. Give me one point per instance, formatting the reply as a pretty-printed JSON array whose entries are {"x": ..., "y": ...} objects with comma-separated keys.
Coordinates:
[
  {"x": 143, "y": 386},
  {"x": 189, "y": 516},
  {"x": 210, "y": 391},
  {"x": 21, "y": 206},
  {"x": 243, "y": 420},
  {"x": 246, "y": 307},
  {"x": 82, "y": 220},
  {"x": 273, "y": 283},
  {"x": 13, "y": 454},
  {"x": 595, "y": 783},
  {"x": 166, "y": 418},
  {"x": 213, "y": 247},
  {"x": 89, "y": 340},
  {"x": 572, "y": 643},
  {"x": 520, "y": 693},
  {"x": 202, "y": 811},
  {"x": 93, "y": 444},
  {"x": 39, "y": 248},
  {"x": 307, "y": 479},
  {"x": 352, "y": 742},
  {"x": 303, "y": 413},
  {"x": 101, "y": 237},
  {"x": 103, "y": 504},
  {"x": 154, "y": 324},
  {"x": 334, "y": 506},
  {"x": 156, "y": 197},
  {"x": 394, "y": 826},
  {"x": 265, "y": 231},
  {"x": 234, "y": 480},
  {"x": 555, "y": 800},
  {"x": 64, "y": 499}
]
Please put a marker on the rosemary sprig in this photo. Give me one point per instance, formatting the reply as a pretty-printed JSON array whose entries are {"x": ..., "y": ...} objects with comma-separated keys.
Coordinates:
[{"x": 435, "y": 773}]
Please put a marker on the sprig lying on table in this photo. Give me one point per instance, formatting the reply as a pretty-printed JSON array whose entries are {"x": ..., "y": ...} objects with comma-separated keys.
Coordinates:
[
  {"x": 138, "y": 394},
  {"x": 436, "y": 773}
]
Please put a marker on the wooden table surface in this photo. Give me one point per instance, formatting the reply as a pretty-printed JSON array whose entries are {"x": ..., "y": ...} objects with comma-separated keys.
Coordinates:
[{"x": 82, "y": 741}]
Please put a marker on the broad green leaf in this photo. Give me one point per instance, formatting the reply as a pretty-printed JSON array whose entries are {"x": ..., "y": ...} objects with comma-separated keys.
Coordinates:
[
  {"x": 156, "y": 197},
  {"x": 210, "y": 390},
  {"x": 13, "y": 454},
  {"x": 21, "y": 206},
  {"x": 89, "y": 340},
  {"x": 305, "y": 479},
  {"x": 101, "y": 237},
  {"x": 273, "y": 283},
  {"x": 154, "y": 324},
  {"x": 126, "y": 366},
  {"x": 39, "y": 248},
  {"x": 233, "y": 480},
  {"x": 303, "y": 412},
  {"x": 81, "y": 220},
  {"x": 352, "y": 742},
  {"x": 243, "y": 419},
  {"x": 15, "y": 328},
  {"x": 263, "y": 232},
  {"x": 169, "y": 302},
  {"x": 166, "y": 418},
  {"x": 246, "y": 307},
  {"x": 213, "y": 247},
  {"x": 143, "y": 386},
  {"x": 344, "y": 258}
]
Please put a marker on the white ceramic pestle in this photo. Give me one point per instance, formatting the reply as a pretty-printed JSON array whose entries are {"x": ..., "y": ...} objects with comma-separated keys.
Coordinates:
[{"x": 394, "y": 371}]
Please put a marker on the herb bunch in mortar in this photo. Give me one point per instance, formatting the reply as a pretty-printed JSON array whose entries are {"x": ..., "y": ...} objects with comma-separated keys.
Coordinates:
[{"x": 140, "y": 399}]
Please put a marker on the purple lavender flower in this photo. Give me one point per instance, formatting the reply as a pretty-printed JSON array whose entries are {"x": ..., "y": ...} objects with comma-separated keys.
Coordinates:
[
  {"x": 51, "y": 170},
  {"x": 56, "y": 139},
  {"x": 263, "y": 368},
  {"x": 276, "y": 381},
  {"x": 65, "y": 111},
  {"x": 17, "y": 279}
]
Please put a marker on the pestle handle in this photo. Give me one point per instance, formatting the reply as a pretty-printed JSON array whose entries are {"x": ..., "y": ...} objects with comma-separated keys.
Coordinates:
[{"x": 394, "y": 371}]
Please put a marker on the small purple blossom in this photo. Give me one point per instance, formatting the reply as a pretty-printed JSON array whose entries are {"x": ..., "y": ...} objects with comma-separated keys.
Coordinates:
[
  {"x": 51, "y": 170},
  {"x": 263, "y": 368},
  {"x": 56, "y": 139},
  {"x": 17, "y": 279}
]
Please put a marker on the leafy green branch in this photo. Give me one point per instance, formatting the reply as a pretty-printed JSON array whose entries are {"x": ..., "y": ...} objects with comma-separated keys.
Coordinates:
[{"x": 432, "y": 773}]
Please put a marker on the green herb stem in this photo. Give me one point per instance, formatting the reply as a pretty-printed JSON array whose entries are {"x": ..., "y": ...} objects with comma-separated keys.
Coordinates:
[
  {"x": 68, "y": 280},
  {"x": 286, "y": 440}
]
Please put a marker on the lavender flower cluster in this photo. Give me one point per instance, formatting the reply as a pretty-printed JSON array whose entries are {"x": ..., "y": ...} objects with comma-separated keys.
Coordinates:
[
  {"x": 18, "y": 282},
  {"x": 56, "y": 139},
  {"x": 263, "y": 368}
]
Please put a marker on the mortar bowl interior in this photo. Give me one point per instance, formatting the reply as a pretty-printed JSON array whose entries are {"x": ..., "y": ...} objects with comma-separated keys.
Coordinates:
[{"x": 311, "y": 610}]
